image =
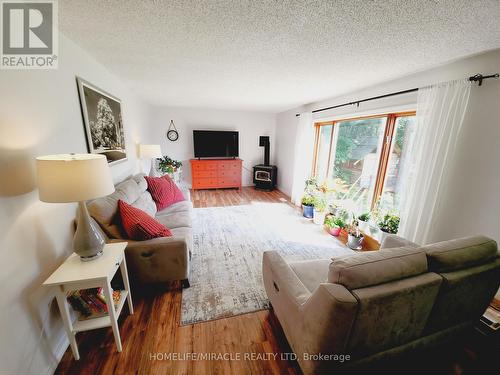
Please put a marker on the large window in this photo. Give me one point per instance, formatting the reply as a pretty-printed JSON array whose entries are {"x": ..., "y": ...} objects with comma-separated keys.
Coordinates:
[{"x": 368, "y": 155}]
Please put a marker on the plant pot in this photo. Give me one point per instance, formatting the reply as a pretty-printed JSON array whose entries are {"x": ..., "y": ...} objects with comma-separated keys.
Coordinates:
[
  {"x": 355, "y": 243},
  {"x": 308, "y": 211},
  {"x": 363, "y": 226},
  {"x": 335, "y": 231},
  {"x": 319, "y": 217}
]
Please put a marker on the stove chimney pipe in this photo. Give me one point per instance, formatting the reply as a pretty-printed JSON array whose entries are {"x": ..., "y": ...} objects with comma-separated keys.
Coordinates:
[{"x": 264, "y": 142}]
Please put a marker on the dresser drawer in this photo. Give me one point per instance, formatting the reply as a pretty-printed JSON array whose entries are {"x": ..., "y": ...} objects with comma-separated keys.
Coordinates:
[
  {"x": 229, "y": 182},
  {"x": 205, "y": 183},
  {"x": 230, "y": 165},
  {"x": 228, "y": 173},
  {"x": 204, "y": 166},
  {"x": 204, "y": 173}
]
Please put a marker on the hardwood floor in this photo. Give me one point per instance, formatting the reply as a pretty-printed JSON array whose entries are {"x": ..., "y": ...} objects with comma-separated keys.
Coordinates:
[{"x": 154, "y": 332}]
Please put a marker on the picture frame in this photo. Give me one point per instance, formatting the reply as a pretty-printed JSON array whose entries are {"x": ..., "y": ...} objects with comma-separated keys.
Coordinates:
[{"x": 102, "y": 121}]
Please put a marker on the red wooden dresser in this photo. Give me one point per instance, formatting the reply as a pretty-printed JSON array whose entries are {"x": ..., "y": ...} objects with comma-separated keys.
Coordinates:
[{"x": 216, "y": 173}]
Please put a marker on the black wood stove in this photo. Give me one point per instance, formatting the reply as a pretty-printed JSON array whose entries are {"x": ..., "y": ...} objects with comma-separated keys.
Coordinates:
[{"x": 265, "y": 176}]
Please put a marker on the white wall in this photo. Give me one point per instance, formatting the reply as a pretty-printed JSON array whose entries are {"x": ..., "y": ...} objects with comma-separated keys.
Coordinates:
[
  {"x": 250, "y": 126},
  {"x": 40, "y": 114},
  {"x": 472, "y": 202}
]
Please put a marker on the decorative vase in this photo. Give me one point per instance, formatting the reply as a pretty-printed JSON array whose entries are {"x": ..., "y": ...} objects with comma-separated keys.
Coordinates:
[
  {"x": 354, "y": 243},
  {"x": 335, "y": 231},
  {"x": 308, "y": 211},
  {"x": 319, "y": 217},
  {"x": 177, "y": 175}
]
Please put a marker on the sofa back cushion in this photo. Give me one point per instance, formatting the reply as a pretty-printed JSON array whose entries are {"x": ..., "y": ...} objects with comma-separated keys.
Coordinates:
[
  {"x": 392, "y": 314},
  {"x": 377, "y": 267},
  {"x": 105, "y": 210},
  {"x": 471, "y": 275},
  {"x": 461, "y": 253}
]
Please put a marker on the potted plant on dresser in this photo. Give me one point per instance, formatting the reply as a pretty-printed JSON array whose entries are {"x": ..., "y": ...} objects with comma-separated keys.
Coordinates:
[
  {"x": 389, "y": 224},
  {"x": 334, "y": 224},
  {"x": 308, "y": 206}
]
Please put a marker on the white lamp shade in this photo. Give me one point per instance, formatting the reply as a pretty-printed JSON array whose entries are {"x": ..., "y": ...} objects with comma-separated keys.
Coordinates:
[
  {"x": 150, "y": 151},
  {"x": 73, "y": 177}
]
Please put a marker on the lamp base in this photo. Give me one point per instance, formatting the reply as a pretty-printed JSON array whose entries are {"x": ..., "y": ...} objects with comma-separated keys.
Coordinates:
[
  {"x": 92, "y": 257},
  {"x": 89, "y": 241}
]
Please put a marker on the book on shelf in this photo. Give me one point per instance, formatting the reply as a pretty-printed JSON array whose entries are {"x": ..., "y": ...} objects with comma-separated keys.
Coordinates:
[{"x": 91, "y": 303}]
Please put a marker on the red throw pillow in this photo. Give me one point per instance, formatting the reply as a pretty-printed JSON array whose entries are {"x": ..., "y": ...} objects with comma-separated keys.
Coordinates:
[
  {"x": 139, "y": 225},
  {"x": 164, "y": 191}
]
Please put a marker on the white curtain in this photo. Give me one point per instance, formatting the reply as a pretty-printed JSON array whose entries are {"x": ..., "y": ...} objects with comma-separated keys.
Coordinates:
[
  {"x": 303, "y": 155},
  {"x": 440, "y": 113}
]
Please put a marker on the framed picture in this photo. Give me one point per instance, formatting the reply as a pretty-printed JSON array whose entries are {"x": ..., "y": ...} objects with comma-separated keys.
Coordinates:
[{"x": 102, "y": 119}]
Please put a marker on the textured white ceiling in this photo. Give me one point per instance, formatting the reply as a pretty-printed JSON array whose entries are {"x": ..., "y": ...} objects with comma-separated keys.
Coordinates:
[{"x": 271, "y": 55}]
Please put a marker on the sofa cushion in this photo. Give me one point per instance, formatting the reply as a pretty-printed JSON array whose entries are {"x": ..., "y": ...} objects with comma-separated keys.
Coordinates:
[
  {"x": 139, "y": 225},
  {"x": 145, "y": 203},
  {"x": 176, "y": 207},
  {"x": 461, "y": 253},
  {"x": 104, "y": 211},
  {"x": 176, "y": 219},
  {"x": 164, "y": 191},
  {"x": 377, "y": 267},
  {"x": 311, "y": 272}
]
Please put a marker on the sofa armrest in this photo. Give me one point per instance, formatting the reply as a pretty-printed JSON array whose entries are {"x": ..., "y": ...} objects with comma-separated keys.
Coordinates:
[
  {"x": 328, "y": 317},
  {"x": 159, "y": 259},
  {"x": 280, "y": 278},
  {"x": 393, "y": 240}
]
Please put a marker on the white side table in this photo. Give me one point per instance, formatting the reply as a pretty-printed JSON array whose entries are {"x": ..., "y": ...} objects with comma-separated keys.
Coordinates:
[{"x": 74, "y": 274}]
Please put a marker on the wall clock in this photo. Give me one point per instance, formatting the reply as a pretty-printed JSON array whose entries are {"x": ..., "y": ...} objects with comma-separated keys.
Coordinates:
[{"x": 172, "y": 133}]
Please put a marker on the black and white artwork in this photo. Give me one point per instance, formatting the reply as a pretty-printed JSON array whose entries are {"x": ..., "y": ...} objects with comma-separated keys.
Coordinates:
[{"x": 102, "y": 118}]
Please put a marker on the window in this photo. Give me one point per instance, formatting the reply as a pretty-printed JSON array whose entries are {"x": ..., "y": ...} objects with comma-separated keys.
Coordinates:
[{"x": 368, "y": 155}]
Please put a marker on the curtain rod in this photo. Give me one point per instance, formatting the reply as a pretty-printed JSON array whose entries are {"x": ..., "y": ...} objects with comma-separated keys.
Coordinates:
[{"x": 475, "y": 78}]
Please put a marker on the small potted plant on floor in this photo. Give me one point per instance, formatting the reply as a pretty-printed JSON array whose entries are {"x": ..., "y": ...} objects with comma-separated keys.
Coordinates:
[
  {"x": 363, "y": 221},
  {"x": 319, "y": 210},
  {"x": 388, "y": 225},
  {"x": 308, "y": 206},
  {"x": 354, "y": 237},
  {"x": 334, "y": 224}
]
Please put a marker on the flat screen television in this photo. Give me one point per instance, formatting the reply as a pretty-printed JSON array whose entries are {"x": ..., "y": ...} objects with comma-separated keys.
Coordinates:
[{"x": 215, "y": 144}]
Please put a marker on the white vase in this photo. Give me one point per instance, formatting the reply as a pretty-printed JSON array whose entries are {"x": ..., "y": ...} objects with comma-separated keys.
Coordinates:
[{"x": 319, "y": 217}]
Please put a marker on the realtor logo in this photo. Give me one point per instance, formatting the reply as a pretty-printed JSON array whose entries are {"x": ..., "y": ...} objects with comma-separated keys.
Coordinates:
[{"x": 29, "y": 34}]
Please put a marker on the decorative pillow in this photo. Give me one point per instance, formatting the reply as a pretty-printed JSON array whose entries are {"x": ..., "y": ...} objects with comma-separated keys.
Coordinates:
[
  {"x": 139, "y": 225},
  {"x": 164, "y": 191}
]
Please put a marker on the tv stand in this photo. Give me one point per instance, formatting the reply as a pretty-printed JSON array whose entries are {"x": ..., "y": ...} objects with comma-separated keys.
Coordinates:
[{"x": 216, "y": 173}]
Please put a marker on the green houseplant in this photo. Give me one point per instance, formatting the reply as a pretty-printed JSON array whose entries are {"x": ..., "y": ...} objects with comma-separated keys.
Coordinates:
[
  {"x": 389, "y": 224},
  {"x": 334, "y": 224},
  {"x": 308, "y": 206},
  {"x": 170, "y": 166}
]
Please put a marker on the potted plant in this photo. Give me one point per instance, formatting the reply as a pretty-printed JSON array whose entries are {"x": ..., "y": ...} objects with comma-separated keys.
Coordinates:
[
  {"x": 354, "y": 237},
  {"x": 388, "y": 225},
  {"x": 308, "y": 206},
  {"x": 363, "y": 220},
  {"x": 319, "y": 210},
  {"x": 171, "y": 167},
  {"x": 334, "y": 224}
]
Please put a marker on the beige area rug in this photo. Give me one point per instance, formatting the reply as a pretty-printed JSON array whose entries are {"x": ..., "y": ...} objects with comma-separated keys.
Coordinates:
[{"x": 226, "y": 267}]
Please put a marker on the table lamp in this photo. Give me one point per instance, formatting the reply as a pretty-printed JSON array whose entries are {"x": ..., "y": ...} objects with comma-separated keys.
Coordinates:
[
  {"x": 77, "y": 178},
  {"x": 151, "y": 152}
]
